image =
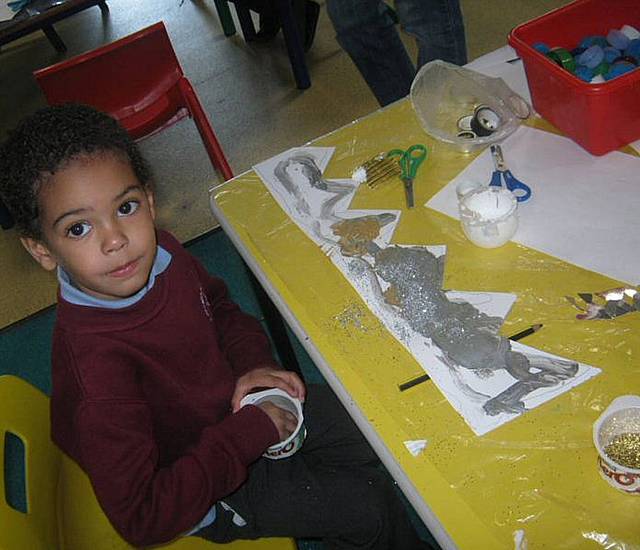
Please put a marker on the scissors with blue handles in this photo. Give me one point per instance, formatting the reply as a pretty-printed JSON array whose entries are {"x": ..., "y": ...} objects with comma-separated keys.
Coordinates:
[
  {"x": 521, "y": 190},
  {"x": 409, "y": 160}
]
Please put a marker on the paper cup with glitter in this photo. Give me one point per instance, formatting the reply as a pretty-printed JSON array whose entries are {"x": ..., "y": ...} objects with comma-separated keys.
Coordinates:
[
  {"x": 616, "y": 435},
  {"x": 281, "y": 399}
]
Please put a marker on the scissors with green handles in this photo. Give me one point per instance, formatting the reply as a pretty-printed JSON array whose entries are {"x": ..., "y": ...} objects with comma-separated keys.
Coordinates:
[{"x": 409, "y": 161}]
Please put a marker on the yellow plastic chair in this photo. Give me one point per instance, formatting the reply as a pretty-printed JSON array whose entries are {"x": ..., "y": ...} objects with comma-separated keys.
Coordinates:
[{"x": 62, "y": 511}]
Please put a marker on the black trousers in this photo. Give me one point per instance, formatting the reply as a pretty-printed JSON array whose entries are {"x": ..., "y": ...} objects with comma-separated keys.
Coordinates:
[{"x": 333, "y": 488}]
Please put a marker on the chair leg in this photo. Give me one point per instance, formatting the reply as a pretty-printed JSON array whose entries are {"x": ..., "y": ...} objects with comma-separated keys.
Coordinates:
[
  {"x": 294, "y": 44},
  {"x": 246, "y": 23},
  {"x": 214, "y": 150},
  {"x": 54, "y": 38},
  {"x": 224, "y": 14}
]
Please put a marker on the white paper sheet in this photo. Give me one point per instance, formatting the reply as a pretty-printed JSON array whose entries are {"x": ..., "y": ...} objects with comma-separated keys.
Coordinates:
[
  {"x": 504, "y": 63},
  {"x": 483, "y": 390},
  {"x": 583, "y": 209}
]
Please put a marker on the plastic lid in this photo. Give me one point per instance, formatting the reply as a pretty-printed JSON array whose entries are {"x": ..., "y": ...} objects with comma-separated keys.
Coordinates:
[
  {"x": 618, "y": 69},
  {"x": 603, "y": 68},
  {"x": 631, "y": 32},
  {"x": 633, "y": 48},
  {"x": 596, "y": 40},
  {"x": 584, "y": 73},
  {"x": 618, "y": 39},
  {"x": 591, "y": 57},
  {"x": 611, "y": 54},
  {"x": 541, "y": 47}
]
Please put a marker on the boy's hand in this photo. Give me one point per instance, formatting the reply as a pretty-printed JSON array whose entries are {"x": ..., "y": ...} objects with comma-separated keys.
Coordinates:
[
  {"x": 284, "y": 421},
  {"x": 267, "y": 377}
]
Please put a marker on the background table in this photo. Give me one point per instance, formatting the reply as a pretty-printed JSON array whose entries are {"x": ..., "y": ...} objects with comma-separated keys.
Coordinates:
[
  {"x": 41, "y": 15},
  {"x": 537, "y": 473}
]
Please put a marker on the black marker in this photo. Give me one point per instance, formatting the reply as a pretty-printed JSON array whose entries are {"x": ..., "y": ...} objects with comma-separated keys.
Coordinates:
[
  {"x": 526, "y": 332},
  {"x": 413, "y": 382}
]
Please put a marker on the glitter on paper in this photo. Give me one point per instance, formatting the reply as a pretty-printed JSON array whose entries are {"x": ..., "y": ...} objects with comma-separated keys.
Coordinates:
[
  {"x": 402, "y": 286},
  {"x": 466, "y": 336},
  {"x": 356, "y": 234}
]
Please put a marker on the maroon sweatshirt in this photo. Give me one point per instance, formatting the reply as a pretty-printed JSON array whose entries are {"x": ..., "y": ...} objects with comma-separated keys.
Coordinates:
[{"x": 141, "y": 399}]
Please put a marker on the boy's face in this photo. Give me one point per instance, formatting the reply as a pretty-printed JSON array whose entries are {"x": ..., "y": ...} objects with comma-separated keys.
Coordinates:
[{"x": 98, "y": 224}]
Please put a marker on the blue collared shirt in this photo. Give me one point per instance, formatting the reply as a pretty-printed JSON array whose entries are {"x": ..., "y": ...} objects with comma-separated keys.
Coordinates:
[{"x": 74, "y": 295}]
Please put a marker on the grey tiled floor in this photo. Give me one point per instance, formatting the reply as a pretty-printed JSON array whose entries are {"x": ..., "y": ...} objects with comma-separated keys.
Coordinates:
[{"x": 247, "y": 89}]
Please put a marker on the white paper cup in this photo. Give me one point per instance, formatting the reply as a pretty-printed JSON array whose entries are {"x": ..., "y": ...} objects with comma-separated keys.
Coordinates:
[
  {"x": 466, "y": 186},
  {"x": 619, "y": 418},
  {"x": 489, "y": 216},
  {"x": 282, "y": 399}
]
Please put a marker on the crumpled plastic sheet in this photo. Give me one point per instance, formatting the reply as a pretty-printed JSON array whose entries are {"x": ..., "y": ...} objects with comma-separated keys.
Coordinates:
[{"x": 538, "y": 473}]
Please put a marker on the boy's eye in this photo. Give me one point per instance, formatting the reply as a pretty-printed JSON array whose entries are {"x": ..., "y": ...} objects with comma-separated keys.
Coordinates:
[
  {"x": 128, "y": 208},
  {"x": 79, "y": 229}
]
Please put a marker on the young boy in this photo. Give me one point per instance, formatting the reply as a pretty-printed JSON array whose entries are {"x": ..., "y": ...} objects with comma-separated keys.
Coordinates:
[{"x": 151, "y": 360}]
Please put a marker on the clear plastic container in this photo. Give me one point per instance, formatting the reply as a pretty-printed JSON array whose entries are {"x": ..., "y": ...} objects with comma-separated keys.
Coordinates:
[{"x": 443, "y": 94}]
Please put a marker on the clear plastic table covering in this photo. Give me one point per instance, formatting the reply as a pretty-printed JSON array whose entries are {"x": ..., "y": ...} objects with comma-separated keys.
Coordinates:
[{"x": 533, "y": 480}]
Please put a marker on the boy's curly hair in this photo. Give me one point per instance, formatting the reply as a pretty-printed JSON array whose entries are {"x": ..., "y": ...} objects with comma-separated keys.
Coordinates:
[{"x": 45, "y": 142}]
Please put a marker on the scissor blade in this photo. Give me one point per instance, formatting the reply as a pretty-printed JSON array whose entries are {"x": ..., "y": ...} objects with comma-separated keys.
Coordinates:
[{"x": 408, "y": 189}]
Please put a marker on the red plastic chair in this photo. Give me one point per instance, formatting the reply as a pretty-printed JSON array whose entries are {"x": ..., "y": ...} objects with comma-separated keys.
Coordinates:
[{"x": 139, "y": 81}]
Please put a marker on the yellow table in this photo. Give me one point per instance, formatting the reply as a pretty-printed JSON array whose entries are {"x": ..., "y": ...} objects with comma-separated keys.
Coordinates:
[{"x": 536, "y": 473}]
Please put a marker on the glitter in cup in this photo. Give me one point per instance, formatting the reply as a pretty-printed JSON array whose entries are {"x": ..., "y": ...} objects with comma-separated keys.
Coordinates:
[{"x": 616, "y": 435}]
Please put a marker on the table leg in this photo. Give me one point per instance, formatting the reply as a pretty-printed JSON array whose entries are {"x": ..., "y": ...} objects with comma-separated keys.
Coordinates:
[{"x": 54, "y": 38}]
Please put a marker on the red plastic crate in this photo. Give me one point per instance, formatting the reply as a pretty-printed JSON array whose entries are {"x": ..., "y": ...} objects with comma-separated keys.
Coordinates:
[{"x": 599, "y": 117}]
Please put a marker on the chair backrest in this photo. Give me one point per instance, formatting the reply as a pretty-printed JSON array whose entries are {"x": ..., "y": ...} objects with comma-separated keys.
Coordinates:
[
  {"x": 139, "y": 81},
  {"x": 24, "y": 412}
]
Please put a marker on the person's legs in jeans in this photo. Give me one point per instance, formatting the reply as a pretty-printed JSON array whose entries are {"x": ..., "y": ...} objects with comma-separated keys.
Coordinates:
[
  {"x": 438, "y": 28},
  {"x": 331, "y": 489},
  {"x": 366, "y": 31}
]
